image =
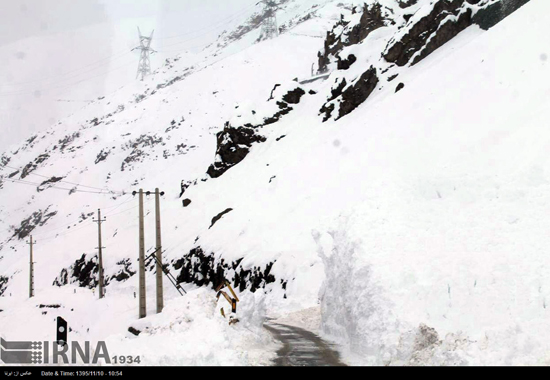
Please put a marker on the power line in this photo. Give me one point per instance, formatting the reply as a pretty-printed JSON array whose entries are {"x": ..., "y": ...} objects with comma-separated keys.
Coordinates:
[
  {"x": 58, "y": 227},
  {"x": 127, "y": 200},
  {"x": 64, "y": 75},
  {"x": 79, "y": 220},
  {"x": 210, "y": 27},
  {"x": 122, "y": 212},
  {"x": 70, "y": 230},
  {"x": 55, "y": 187},
  {"x": 70, "y": 183},
  {"x": 65, "y": 85},
  {"x": 84, "y": 223}
]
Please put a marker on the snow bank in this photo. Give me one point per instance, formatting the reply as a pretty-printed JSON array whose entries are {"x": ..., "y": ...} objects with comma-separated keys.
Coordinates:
[{"x": 192, "y": 331}]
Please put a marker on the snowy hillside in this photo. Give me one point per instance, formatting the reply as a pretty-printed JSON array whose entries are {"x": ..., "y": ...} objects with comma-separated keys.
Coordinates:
[{"x": 384, "y": 160}]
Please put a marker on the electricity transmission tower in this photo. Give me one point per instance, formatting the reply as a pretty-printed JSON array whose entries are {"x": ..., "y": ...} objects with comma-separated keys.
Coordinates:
[
  {"x": 269, "y": 26},
  {"x": 144, "y": 65}
]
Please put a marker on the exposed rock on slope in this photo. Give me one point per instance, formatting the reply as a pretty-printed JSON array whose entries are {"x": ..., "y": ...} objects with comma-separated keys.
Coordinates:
[
  {"x": 203, "y": 269},
  {"x": 491, "y": 15},
  {"x": 346, "y": 33},
  {"x": 38, "y": 218},
  {"x": 422, "y": 37},
  {"x": 445, "y": 20},
  {"x": 219, "y": 216},
  {"x": 3, "y": 284},
  {"x": 83, "y": 272},
  {"x": 124, "y": 273},
  {"x": 31, "y": 166},
  {"x": 353, "y": 95},
  {"x": 233, "y": 144}
]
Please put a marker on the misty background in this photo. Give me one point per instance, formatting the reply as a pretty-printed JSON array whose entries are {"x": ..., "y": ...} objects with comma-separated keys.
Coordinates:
[{"x": 57, "y": 55}]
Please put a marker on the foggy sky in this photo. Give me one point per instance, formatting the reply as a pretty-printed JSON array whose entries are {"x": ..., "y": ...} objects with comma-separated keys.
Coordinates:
[{"x": 48, "y": 45}]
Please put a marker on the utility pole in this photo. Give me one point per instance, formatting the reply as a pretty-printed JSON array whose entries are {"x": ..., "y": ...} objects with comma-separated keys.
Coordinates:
[
  {"x": 144, "y": 65},
  {"x": 31, "y": 276},
  {"x": 142, "y": 300},
  {"x": 157, "y": 254},
  {"x": 160, "y": 295},
  {"x": 269, "y": 26},
  {"x": 100, "y": 280}
]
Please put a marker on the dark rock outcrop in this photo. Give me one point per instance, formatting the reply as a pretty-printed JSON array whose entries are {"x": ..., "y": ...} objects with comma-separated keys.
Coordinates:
[
  {"x": 371, "y": 19},
  {"x": 203, "y": 269},
  {"x": 31, "y": 166},
  {"x": 400, "y": 52},
  {"x": 38, "y": 218},
  {"x": 406, "y": 3},
  {"x": 336, "y": 92},
  {"x": 83, "y": 272},
  {"x": 43, "y": 186},
  {"x": 327, "y": 109},
  {"x": 353, "y": 95},
  {"x": 294, "y": 96},
  {"x": 102, "y": 156},
  {"x": 272, "y": 91},
  {"x": 357, "y": 93},
  {"x": 67, "y": 140},
  {"x": 123, "y": 273},
  {"x": 437, "y": 28},
  {"x": 233, "y": 145},
  {"x": 399, "y": 87},
  {"x": 218, "y": 217},
  {"x": 392, "y": 77},
  {"x": 186, "y": 184},
  {"x": 285, "y": 109},
  {"x": 344, "y": 64},
  {"x": 186, "y": 202},
  {"x": 3, "y": 284},
  {"x": 489, "y": 16},
  {"x": 4, "y": 160}
]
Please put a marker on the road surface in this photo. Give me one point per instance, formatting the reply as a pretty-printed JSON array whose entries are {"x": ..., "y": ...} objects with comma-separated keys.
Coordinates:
[{"x": 301, "y": 347}]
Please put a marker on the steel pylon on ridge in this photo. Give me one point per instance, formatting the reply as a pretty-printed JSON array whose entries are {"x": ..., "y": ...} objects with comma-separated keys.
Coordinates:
[
  {"x": 144, "y": 65},
  {"x": 269, "y": 26}
]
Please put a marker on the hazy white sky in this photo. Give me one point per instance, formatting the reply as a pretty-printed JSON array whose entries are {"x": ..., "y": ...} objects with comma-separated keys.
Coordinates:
[{"x": 58, "y": 53}]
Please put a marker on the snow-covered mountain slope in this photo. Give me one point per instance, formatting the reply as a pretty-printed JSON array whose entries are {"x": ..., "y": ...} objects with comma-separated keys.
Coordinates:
[{"x": 403, "y": 189}]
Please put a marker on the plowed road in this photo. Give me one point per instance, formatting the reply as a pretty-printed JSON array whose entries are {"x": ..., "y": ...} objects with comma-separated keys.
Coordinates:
[{"x": 301, "y": 347}]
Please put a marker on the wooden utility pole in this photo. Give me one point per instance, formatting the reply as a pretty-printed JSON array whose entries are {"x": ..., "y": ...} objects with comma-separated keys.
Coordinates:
[
  {"x": 142, "y": 300},
  {"x": 31, "y": 275},
  {"x": 158, "y": 254},
  {"x": 100, "y": 280}
]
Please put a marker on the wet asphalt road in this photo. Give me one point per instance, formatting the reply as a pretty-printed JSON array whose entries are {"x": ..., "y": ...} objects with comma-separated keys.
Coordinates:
[{"x": 301, "y": 347}]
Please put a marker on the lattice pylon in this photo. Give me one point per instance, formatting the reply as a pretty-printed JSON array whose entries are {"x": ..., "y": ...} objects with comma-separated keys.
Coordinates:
[
  {"x": 144, "y": 65},
  {"x": 269, "y": 26}
]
